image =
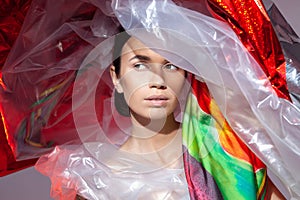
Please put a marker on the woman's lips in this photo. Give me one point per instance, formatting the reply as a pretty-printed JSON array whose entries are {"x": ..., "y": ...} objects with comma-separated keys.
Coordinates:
[{"x": 157, "y": 100}]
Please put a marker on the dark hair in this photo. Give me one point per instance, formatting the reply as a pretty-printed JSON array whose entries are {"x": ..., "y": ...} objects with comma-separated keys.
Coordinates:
[
  {"x": 120, "y": 40},
  {"x": 119, "y": 99}
]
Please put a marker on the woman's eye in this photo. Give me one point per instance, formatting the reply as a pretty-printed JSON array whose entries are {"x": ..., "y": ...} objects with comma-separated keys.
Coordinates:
[
  {"x": 140, "y": 66},
  {"x": 170, "y": 67}
]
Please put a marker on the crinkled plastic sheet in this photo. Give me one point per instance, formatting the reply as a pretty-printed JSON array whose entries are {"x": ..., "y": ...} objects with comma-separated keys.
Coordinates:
[
  {"x": 268, "y": 124},
  {"x": 100, "y": 171},
  {"x": 201, "y": 45}
]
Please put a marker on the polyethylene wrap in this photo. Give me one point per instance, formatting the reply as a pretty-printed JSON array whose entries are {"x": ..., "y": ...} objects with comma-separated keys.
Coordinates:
[
  {"x": 60, "y": 65},
  {"x": 110, "y": 174}
]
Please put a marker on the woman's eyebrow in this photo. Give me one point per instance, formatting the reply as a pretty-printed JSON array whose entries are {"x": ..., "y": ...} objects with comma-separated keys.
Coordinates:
[
  {"x": 143, "y": 58},
  {"x": 140, "y": 57}
]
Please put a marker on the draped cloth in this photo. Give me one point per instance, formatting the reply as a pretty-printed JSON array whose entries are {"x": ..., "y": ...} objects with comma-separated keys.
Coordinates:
[
  {"x": 235, "y": 118},
  {"x": 12, "y": 17},
  {"x": 213, "y": 145}
]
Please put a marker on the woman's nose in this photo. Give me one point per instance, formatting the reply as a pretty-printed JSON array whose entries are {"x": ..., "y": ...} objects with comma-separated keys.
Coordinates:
[
  {"x": 157, "y": 85},
  {"x": 157, "y": 81}
]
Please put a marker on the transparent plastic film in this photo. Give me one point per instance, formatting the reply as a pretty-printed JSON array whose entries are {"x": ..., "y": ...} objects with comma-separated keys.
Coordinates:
[
  {"x": 39, "y": 73},
  {"x": 60, "y": 91},
  {"x": 293, "y": 78},
  {"x": 268, "y": 124},
  {"x": 110, "y": 174}
]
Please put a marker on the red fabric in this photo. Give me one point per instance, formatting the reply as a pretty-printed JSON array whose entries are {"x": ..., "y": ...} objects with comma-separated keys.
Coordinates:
[
  {"x": 12, "y": 14},
  {"x": 202, "y": 94},
  {"x": 249, "y": 20},
  {"x": 27, "y": 99},
  {"x": 8, "y": 163}
]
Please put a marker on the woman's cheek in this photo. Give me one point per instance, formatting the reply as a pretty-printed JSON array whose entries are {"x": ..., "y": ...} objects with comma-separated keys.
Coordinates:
[
  {"x": 176, "y": 84},
  {"x": 133, "y": 79}
]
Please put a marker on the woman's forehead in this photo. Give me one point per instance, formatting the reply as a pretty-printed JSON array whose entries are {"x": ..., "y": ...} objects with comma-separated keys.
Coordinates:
[{"x": 136, "y": 47}]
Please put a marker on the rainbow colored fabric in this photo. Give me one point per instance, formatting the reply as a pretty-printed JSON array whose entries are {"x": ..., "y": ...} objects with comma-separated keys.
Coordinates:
[{"x": 218, "y": 164}]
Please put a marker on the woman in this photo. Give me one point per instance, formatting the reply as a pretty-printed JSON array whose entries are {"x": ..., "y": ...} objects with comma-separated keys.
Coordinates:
[{"x": 150, "y": 163}]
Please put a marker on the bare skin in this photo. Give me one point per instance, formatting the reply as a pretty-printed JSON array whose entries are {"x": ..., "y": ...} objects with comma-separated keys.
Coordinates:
[{"x": 152, "y": 99}]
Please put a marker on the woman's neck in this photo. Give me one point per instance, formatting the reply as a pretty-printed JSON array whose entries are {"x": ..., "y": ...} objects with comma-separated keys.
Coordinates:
[{"x": 148, "y": 136}]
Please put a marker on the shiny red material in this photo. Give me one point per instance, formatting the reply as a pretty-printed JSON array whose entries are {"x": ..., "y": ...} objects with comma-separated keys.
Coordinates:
[
  {"x": 249, "y": 20},
  {"x": 12, "y": 14},
  {"x": 8, "y": 164}
]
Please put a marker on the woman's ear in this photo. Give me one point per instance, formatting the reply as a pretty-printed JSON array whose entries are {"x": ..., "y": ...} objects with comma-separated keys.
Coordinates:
[{"x": 115, "y": 79}]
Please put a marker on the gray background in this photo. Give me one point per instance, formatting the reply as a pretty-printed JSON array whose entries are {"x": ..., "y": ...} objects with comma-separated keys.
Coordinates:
[{"x": 27, "y": 184}]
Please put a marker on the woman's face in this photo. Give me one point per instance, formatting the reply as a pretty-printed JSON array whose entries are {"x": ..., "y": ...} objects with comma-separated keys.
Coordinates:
[{"x": 151, "y": 84}]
